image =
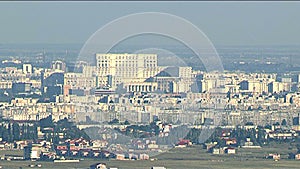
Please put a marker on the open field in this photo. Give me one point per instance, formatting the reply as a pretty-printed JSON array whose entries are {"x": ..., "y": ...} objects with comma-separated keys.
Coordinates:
[
  {"x": 11, "y": 152},
  {"x": 187, "y": 158}
]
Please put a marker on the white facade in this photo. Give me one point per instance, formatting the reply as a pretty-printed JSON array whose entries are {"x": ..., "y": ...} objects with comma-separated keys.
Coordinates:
[
  {"x": 27, "y": 69},
  {"x": 79, "y": 81},
  {"x": 125, "y": 68}
]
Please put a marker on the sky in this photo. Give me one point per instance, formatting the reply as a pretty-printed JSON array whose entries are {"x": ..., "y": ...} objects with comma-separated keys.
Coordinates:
[{"x": 224, "y": 23}]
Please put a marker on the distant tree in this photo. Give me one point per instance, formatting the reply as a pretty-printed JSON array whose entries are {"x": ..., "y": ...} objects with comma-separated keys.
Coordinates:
[
  {"x": 22, "y": 132},
  {"x": 268, "y": 126},
  {"x": 193, "y": 135},
  {"x": 4, "y": 133},
  {"x": 249, "y": 123},
  {"x": 228, "y": 94},
  {"x": 179, "y": 122},
  {"x": 276, "y": 124},
  {"x": 64, "y": 123},
  {"x": 16, "y": 131},
  {"x": 88, "y": 119},
  {"x": 32, "y": 132},
  {"x": 35, "y": 132},
  {"x": 114, "y": 121},
  {"x": 126, "y": 122},
  {"x": 298, "y": 148},
  {"x": 9, "y": 130},
  {"x": 55, "y": 139},
  {"x": 249, "y": 108},
  {"x": 46, "y": 122},
  {"x": 69, "y": 130},
  {"x": 284, "y": 122},
  {"x": 25, "y": 131}
]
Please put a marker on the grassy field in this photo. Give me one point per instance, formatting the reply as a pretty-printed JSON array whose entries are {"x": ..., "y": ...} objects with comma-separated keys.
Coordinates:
[
  {"x": 11, "y": 152},
  {"x": 187, "y": 158}
]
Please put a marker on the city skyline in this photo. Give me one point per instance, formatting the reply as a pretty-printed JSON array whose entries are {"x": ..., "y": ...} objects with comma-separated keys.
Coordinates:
[{"x": 156, "y": 84}]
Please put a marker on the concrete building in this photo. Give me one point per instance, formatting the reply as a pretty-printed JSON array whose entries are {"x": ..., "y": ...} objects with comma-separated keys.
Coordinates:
[
  {"x": 58, "y": 65},
  {"x": 141, "y": 87},
  {"x": 79, "y": 81},
  {"x": 89, "y": 71},
  {"x": 5, "y": 84},
  {"x": 27, "y": 69},
  {"x": 114, "y": 69},
  {"x": 21, "y": 87},
  {"x": 278, "y": 87},
  {"x": 254, "y": 86}
]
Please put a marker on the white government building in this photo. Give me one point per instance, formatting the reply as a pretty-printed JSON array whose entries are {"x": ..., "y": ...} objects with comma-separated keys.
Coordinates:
[{"x": 130, "y": 69}]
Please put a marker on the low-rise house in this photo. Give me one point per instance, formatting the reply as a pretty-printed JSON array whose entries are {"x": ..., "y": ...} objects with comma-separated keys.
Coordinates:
[
  {"x": 132, "y": 156},
  {"x": 275, "y": 156},
  {"x": 106, "y": 154},
  {"x": 144, "y": 157},
  {"x": 2, "y": 146},
  {"x": 230, "y": 141},
  {"x": 180, "y": 146},
  {"x": 6, "y": 146},
  {"x": 85, "y": 153},
  {"x": 230, "y": 151},
  {"x": 210, "y": 145},
  {"x": 152, "y": 146},
  {"x": 98, "y": 144},
  {"x": 282, "y": 135},
  {"x": 141, "y": 145},
  {"x": 183, "y": 143},
  {"x": 98, "y": 166},
  {"x": 120, "y": 157},
  {"x": 40, "y": 134},
  {"x": 62, "y": 149},
  {"x": 34, "y": 151},
  {"x": 217, "y": 151},
  {"x": 225, "y": 133},
  {"x": 248, "y": 143},
  {"x": 158, "y": 167},
  {"x": 74, "y": 153},
  {"x": 48, "y": 156},
  {"x": 96, "y": 153},
  {"x": 21, "y": 144}
]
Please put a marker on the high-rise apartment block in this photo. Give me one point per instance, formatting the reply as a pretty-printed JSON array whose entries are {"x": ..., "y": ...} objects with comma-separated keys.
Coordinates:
[{"x": 27, "y": 68}]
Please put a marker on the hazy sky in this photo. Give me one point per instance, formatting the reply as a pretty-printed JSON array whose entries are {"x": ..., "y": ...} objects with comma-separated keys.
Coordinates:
[{"x": 232, "y": 23}]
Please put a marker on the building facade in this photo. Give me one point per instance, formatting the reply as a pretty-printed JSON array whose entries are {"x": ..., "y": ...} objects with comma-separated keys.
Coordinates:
[{"x": 114, "y": 69}]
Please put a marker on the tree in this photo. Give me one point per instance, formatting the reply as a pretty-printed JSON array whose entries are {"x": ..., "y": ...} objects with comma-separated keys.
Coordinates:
[
  {"x": 126, "y": 122},
  {"x": 268, "y": 126},
  {"x": 114, "y": 121},
  {"x": 35, "y": 132},
  {"x": 276, "y": 124},
  {"x": 298, "y": 148},
  {"x": 4, "y": 133},
  {"x": 261, "y": 136},
  {"x": 249, "y": 123},
  {"x": 284, "y": 122},
  {"x": 9, "y": 130},
  {"x": 16, "y": 132},
  {"x": 46, "y": 122},
  {"x": 22, "y": 133},
  {"x": 32, "y": 132}
]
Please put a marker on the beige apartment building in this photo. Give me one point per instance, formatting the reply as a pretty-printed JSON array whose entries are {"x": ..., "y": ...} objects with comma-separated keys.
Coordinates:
[{"x": 79, "y": 81}]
